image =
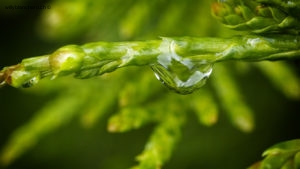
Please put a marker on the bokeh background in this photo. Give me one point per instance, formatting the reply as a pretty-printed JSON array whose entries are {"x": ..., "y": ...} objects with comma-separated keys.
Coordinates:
[{"x": 33, "y": 32}]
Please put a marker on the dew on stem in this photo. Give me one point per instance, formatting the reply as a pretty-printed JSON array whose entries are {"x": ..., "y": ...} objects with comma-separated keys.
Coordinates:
[{"x": 178, "y": 73}]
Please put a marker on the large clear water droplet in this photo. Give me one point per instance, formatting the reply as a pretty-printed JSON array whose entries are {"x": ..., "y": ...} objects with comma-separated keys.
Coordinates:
[{"x": 180, "y": 74}]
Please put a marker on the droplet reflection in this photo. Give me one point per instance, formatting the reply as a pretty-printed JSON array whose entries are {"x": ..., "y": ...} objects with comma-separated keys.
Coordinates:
[{"x": 179, "y": 74}]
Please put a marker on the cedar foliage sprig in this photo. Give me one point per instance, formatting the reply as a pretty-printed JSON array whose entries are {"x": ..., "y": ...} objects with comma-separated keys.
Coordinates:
[{"x": 136, "y": 107}]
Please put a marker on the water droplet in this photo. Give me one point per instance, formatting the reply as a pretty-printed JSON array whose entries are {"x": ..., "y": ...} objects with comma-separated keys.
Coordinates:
[
  {"x": 178, "y": 73},
  {"x": 31, "y": 82}
]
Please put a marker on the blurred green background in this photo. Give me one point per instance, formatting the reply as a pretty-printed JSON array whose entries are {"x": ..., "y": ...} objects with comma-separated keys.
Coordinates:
[{"x": 32, "y": 32}]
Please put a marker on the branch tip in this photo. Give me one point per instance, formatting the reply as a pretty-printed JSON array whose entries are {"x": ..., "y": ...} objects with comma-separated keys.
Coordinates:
[
  {"x": 2, "y": 79},
  {"x": 5, "y": 74}
]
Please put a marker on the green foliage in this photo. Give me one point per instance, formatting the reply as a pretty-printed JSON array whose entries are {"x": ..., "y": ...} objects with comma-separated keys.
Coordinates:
[
  {"x": 284, "y": 155},
  {"x": 239, "y": 113},
  {"x": 131, "y": 98},
  {"x": 257, "y": 17}
]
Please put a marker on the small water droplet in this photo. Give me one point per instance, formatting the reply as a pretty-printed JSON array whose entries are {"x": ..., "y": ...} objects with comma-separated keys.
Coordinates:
[
  {"x": 31, "y": 82},
  {"x": 179, "y": 74}
]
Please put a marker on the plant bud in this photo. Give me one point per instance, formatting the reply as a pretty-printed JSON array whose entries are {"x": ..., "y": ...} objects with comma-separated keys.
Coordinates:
[{"x": 66, "y": 60}]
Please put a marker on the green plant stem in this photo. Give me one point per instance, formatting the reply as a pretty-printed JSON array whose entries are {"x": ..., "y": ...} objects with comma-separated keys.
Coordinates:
[
  {"x": 263, "y": 16},
  {"x": 96, "y": 58}
]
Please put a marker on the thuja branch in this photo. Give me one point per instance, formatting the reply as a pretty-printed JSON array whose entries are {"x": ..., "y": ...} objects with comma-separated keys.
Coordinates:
[{"x": 94, "y": 59}]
